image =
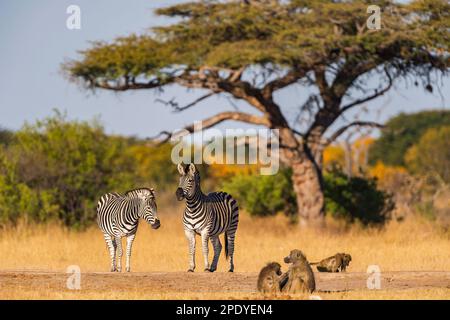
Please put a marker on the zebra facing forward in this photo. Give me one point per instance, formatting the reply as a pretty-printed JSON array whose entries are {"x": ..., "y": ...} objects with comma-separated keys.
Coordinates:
[
  {"x": 207, "y": 215},
  {"x": 118, "y": 216}
]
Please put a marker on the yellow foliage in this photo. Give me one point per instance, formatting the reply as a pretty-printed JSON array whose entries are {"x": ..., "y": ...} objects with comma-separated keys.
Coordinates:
[
  {"x": 333, "y": 155},
  {"x": 387, "y": 175},
  {"x": 219, "y": 171}
]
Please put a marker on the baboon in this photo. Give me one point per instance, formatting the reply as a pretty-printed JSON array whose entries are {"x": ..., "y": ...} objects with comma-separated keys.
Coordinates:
[
  {"x": 300, "y": 277},
  {"x": 336, "y": 263},
  {"x": 345, "y": 261},
  {"x": 269, "y": 278}
]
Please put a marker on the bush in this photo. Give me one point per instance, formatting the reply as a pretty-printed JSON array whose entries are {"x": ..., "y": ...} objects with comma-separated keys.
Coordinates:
[
  {"x": 17, "y": 200},
  {"x": 58, "y": 169},
  {"x": 153, "y": 166},
  {"x": 354, "y": 199},
  {"x": 263, "y": 195}
]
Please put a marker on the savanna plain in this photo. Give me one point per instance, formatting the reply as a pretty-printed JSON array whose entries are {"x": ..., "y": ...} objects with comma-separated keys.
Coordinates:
[{"x": 413, "y": 257}]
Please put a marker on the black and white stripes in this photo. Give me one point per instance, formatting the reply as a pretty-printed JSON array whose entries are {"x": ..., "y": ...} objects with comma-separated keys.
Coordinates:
[
  {"x": 118, "y": 216},
  {"x": 207, "y": 215}
]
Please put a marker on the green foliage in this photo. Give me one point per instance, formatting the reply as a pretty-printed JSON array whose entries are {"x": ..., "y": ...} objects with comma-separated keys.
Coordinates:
[
  {"x": 6, "y": 136},
  {"x": 354, "y": 199},
  {"x": 263, "y": 195},
  {"x": 153, "y": 165},
  {"x": 17, "y": 200},
  {"x": 431, "y": 154},
  {"x": 58, "y": 169},
  {"x": 403, "y": 131}
]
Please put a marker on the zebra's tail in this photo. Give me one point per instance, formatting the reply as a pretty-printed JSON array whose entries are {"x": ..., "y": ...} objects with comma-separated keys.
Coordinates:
[{"x": 226, "y": 245}]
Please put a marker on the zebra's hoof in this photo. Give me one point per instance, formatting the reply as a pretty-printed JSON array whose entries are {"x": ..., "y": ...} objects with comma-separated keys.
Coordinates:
[
  {"x": 231, "y": 270},
  {"x": 128, "y": 270},
  {"x": 190, "y": 270},
  {"x": 208, "y": 270},
  {"x": 212, "y": 270}
]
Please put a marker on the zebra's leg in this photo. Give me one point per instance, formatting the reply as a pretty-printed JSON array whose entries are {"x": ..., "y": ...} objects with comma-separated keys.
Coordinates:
[
  {"x": 119, "y": 253},
  {"x": 130, "y": 240},
  {"x": 217, "y": 249},
  {"x": 230, "y": 241},
  {"x": 111, "y": 245},
  {"x": 190, "y": 235},
  {"x": 205, "y": 248}
]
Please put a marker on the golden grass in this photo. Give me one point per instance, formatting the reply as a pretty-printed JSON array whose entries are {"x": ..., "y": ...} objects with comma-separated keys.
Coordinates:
[
  {"x": 135, "y": 294},
  {"x": 408, "y": 245},
  {"x": 400, "y": 246}
]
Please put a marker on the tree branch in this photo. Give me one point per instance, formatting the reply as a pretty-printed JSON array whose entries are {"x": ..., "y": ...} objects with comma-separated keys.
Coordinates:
[
  {"x": 218, "y": 118},
  {"x": 340, "y": 131},
  {"x": 371, "y": 97},
  {"x": 177, "y": 107},
  {"x": 290, "y": 78},
  {"x": 239, "y": 89},
  {"x": 126, "y": 85}
]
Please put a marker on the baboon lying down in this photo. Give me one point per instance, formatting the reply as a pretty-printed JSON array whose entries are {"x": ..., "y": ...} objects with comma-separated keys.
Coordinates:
[
  {"x": 300, "y": 277},
  {"x": 269, "y": 278},
  {"x": 336, "y": 263}
]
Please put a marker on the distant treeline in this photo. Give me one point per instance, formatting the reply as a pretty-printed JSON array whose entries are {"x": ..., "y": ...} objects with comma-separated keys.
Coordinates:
[{"x": 56, "y": 169}]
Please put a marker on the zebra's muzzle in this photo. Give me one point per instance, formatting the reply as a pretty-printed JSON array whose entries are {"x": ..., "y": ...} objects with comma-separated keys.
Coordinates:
[
  {"x": 180, "y": 194},
  {"x": 156, "y": 225}
]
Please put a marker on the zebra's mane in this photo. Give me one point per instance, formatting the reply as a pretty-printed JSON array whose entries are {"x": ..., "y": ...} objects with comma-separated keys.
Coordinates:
[{"x": 150, "y": 190}]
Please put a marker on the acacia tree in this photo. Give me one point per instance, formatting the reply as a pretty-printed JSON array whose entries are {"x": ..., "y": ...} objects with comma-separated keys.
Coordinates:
[{"x": 248, "y": 50}]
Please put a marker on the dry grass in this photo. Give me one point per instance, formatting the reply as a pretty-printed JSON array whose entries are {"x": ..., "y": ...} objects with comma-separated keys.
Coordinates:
[
  {"x": 136, "y": 294},
  {"x": 409, "y": 245},
  {"x": 406, "y": 246}
]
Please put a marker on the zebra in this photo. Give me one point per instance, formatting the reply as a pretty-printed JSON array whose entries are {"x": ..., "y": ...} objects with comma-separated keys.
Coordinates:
[
  {"x": 118, "y": 216},
  {"x": 208, "y": 216}
]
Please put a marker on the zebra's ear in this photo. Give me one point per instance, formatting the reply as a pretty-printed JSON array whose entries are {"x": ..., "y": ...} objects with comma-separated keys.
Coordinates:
[
  {"x": 181, "y": 169},
  {"x": 152, "y": 192},
  {"x": 192, "y": 169}
]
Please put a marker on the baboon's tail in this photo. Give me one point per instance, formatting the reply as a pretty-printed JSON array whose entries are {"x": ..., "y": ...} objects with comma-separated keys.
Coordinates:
[{"x": 226, "y": 245}]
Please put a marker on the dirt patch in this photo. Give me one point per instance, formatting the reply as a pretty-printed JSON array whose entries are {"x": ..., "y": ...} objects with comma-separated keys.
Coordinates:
[{"x": 41, "y": 284}]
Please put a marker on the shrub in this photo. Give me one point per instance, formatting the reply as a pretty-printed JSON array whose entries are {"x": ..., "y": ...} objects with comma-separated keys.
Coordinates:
[
  {"x": 263, "y": 195},
  {"x": 17, "y": 200},
  {"x": 58, "y": 169},
  {"x": 354, "y": 199}
]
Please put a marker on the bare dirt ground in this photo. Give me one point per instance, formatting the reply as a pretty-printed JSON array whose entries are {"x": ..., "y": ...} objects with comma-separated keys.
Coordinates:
[{"x": 200, "y": 285}]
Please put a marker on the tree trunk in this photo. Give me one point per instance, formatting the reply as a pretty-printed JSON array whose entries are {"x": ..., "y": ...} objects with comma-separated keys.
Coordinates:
[
  {"x": 307, "y": 180},
  {"x": 308, "y": 186}
]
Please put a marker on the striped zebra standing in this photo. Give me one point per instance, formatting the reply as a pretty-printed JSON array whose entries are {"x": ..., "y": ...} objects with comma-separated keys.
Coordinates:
[
  {"x": 118, "y": 216},
  {"x": 208, "y": 216}
]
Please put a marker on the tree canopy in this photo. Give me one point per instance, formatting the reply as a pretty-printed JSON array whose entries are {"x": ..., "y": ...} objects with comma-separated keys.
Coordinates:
[{"x": 296, "y": 36}]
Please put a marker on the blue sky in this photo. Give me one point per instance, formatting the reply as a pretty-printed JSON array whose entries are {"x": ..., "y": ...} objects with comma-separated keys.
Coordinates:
[{"x": 35, "y": 41}]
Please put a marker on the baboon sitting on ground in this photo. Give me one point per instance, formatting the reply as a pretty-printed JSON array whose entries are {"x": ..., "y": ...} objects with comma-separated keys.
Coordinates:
[
  {"x": 336, "y": 263},
  {"x": 269, "y": 278},
  {"x": 300, "y": 277}
]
